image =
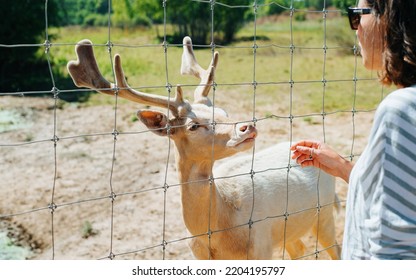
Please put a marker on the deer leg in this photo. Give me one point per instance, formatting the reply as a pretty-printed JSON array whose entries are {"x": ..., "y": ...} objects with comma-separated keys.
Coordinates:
[
  {"x": 199, "y": 250},
  {"x": 326, "y": 234},
  {"x": 296, "y": 249}
]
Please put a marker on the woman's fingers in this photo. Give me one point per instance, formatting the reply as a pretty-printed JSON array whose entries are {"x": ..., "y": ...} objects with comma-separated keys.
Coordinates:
[
  {"x": 305, "y": 143},
  {"x": 302, "y": 150}
]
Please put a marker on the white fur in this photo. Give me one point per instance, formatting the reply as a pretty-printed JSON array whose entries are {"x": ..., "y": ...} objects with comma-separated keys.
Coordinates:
[{"x": 278, "y": 193}]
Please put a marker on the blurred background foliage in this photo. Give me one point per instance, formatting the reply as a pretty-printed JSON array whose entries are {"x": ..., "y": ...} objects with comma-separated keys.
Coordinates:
[{"x": 24, "y": 40}]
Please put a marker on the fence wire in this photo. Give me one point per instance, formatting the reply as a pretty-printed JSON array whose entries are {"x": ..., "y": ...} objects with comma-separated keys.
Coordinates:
[{"x": 114, "y": 194}]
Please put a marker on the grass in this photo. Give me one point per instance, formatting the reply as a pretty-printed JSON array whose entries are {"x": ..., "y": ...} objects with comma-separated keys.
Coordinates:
[
  {"x": 88, "y": 230},
  {"x": 321, "y": 80}
]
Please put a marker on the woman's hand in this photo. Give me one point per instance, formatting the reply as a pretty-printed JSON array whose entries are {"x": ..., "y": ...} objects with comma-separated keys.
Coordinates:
[{"x": 313, "y": 153}]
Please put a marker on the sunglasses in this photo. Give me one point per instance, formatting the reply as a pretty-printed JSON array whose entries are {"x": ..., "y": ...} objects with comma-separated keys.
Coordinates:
[{"x": 354, "y": 15}]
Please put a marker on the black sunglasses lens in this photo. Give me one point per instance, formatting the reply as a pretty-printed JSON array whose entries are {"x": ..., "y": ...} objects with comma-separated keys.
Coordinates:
[
  {"x": 354, "y": 15},
  {"x": 354, "y": 20}
]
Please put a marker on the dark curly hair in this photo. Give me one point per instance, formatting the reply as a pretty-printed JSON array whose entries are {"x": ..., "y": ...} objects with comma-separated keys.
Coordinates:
[{"x": 396, "y": 19}]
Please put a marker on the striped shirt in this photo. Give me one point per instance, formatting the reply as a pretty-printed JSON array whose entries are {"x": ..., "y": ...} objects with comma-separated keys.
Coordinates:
[{"x": 381, "y": 203}]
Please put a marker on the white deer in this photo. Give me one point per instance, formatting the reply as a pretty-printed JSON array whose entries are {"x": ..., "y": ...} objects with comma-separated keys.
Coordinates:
[{"x": 230, "y": 216}]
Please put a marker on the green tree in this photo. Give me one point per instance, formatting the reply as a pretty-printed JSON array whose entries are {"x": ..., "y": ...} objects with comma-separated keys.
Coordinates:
[
  {"x": 278, "y": 6},
  {"x": 21, "y": 67},
  {"x": 344, "y": 4},
  {"x": 129, "y": 13},
  {"x": 318, "y": 4},
  {"x": 23, "y": 62},
  {"x": 83, "y": 12},
  {"x": 195, "y": 19},
  {"x": 151, "y": 9}
]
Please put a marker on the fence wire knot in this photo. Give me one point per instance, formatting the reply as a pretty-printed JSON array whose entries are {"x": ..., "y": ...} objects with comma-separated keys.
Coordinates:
[
  {"x": 292, "y": 48},
  {"x": 55, "y": 91},
  {"x": 213, "y": 124},
  {"x": 52, "y": 207},
  {"x": 255, "y": 7},
  {"x": 211, "y": 180},
  {"x": 165, "y": 187},
  {"x": 55, "y": 139},
  {"x": 109, "y": 45},
  {"x": 169, "y": 129},
  {"x": 115, "y": 133},
  {"x": 317, "y": 254},
  {"x": 286, "y": 215},
  {"x": 214, "y": 86},
  {"x": 169, "y": 87},
  {"x": 356, "y": 50},
  {"x": 47, "y": 45},
  {"x": 116, "y": 89},
  {"x": 250, "y": 223},
  {"x": 318, "y": 208},
  {"x": 165, "y": 46},
  {"x": 255, "y": 47},
  {"x": 112, "y": 196}
]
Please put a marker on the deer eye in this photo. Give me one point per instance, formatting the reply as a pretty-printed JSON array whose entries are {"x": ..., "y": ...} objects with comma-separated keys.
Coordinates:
[{"x": 193, "y": 126}]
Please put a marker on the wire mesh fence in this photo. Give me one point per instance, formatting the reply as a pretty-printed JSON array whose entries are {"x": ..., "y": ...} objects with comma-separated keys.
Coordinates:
[{"x": 89, "y": 182}]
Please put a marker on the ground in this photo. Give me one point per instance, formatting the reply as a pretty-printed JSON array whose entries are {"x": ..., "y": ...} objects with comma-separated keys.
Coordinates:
[{"x": 57, "y": 195}]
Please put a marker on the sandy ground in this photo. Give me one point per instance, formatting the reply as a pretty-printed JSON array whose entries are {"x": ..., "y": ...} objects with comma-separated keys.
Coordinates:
[{"x": 78, "y": 176}]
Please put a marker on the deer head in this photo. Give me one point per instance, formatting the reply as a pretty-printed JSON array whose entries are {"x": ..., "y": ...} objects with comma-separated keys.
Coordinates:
[{"x": 192, "y": 126}]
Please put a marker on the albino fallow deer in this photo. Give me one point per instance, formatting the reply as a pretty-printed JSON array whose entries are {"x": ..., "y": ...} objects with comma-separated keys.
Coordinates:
[{"x": 231, "y": 216}]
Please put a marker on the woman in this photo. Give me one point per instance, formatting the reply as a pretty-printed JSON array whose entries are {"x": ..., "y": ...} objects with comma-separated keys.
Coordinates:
[{"x": 381, "y": 202}]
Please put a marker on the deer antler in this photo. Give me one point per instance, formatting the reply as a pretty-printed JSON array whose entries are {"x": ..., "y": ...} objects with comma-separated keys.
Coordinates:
[
  {"x": 85, "y": 73},
  {"x": 190, "y": 66},
  {"x": 127, "y": 92}
]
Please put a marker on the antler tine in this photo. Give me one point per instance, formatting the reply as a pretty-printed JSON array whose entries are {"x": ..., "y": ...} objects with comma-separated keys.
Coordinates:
[
  {"x": 190, "y": 66},
  {"x": 125, "y": 91},
  {"x": 85, "y": 71}
]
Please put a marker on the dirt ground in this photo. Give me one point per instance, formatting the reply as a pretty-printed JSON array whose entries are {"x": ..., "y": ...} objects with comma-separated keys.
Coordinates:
[{"x": 77, "y": 174}]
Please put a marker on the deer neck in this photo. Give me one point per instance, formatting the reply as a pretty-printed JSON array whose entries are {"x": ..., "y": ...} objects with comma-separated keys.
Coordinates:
[{"x": 198, "y": 193}]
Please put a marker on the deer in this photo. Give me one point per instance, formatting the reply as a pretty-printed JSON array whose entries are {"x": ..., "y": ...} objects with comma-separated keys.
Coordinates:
[{"x": 247, "y": 216}]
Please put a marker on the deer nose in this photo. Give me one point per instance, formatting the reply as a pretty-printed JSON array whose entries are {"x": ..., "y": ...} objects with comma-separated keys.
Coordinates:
[
  {"x": 246, "y": 128},
  {"x": 243, "y": 128}
]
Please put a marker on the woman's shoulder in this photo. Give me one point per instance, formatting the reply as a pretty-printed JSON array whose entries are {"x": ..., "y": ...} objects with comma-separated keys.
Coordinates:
[
  {"x": 406, "y": 94},
  {"x": 400, "y": 100}
]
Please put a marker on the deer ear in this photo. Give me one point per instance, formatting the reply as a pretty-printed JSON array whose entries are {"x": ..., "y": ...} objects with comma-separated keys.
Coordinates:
[{"x": 156, "y": 121}]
